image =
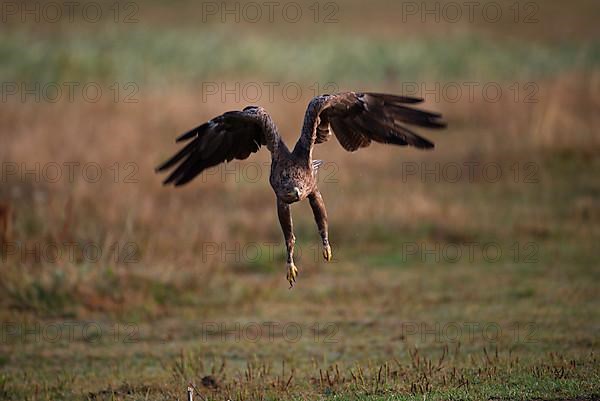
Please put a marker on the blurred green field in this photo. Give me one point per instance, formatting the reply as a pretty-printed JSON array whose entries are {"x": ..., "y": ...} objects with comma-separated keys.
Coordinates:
[
  {"x": 190, "y": 287},
  {"x": 186, "y": 56}
]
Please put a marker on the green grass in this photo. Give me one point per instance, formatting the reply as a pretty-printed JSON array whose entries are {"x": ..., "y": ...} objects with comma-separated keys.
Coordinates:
[{"x": 156, "y": 58}]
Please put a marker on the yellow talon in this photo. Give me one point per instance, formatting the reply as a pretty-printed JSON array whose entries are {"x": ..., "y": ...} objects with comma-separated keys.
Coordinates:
[
  {"x": 327, "y": 253},
  {"x": 292, "y": 273}
]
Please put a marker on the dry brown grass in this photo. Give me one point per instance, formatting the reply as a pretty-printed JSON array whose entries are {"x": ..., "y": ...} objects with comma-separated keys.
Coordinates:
[{"x": 169, "y": 227}]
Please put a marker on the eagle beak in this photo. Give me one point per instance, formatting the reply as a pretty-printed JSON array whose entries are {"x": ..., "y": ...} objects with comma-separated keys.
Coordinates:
[{"x": 295, "y": 193}]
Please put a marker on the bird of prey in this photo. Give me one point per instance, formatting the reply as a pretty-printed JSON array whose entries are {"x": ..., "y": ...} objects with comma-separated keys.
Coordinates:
[{"x": 356, "y": 119}]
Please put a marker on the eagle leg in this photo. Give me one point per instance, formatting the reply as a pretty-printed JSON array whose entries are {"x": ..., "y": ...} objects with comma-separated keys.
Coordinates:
[
  {"x": 285, "y": 220},
  {"x": 318, "y": 207}
]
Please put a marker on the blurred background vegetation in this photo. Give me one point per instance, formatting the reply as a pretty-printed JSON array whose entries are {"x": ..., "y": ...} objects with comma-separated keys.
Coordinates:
[{"x": 154, "y": 62}]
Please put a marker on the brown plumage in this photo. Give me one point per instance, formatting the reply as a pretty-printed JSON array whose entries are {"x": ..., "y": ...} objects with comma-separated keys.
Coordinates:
[{"x": 356, "y": 119}]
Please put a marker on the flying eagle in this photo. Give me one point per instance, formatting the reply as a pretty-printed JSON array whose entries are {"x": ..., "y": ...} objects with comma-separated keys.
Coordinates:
[{"x": 355, "y": 118}]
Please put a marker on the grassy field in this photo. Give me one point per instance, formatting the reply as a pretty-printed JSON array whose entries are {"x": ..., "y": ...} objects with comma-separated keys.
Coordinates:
[{"x": 469, "y": 272}]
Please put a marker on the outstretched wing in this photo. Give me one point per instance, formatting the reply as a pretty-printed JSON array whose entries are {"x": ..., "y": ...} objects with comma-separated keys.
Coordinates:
[
  {"x": 232, "y": 135},
  {"x": 357, "y": 119}
]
